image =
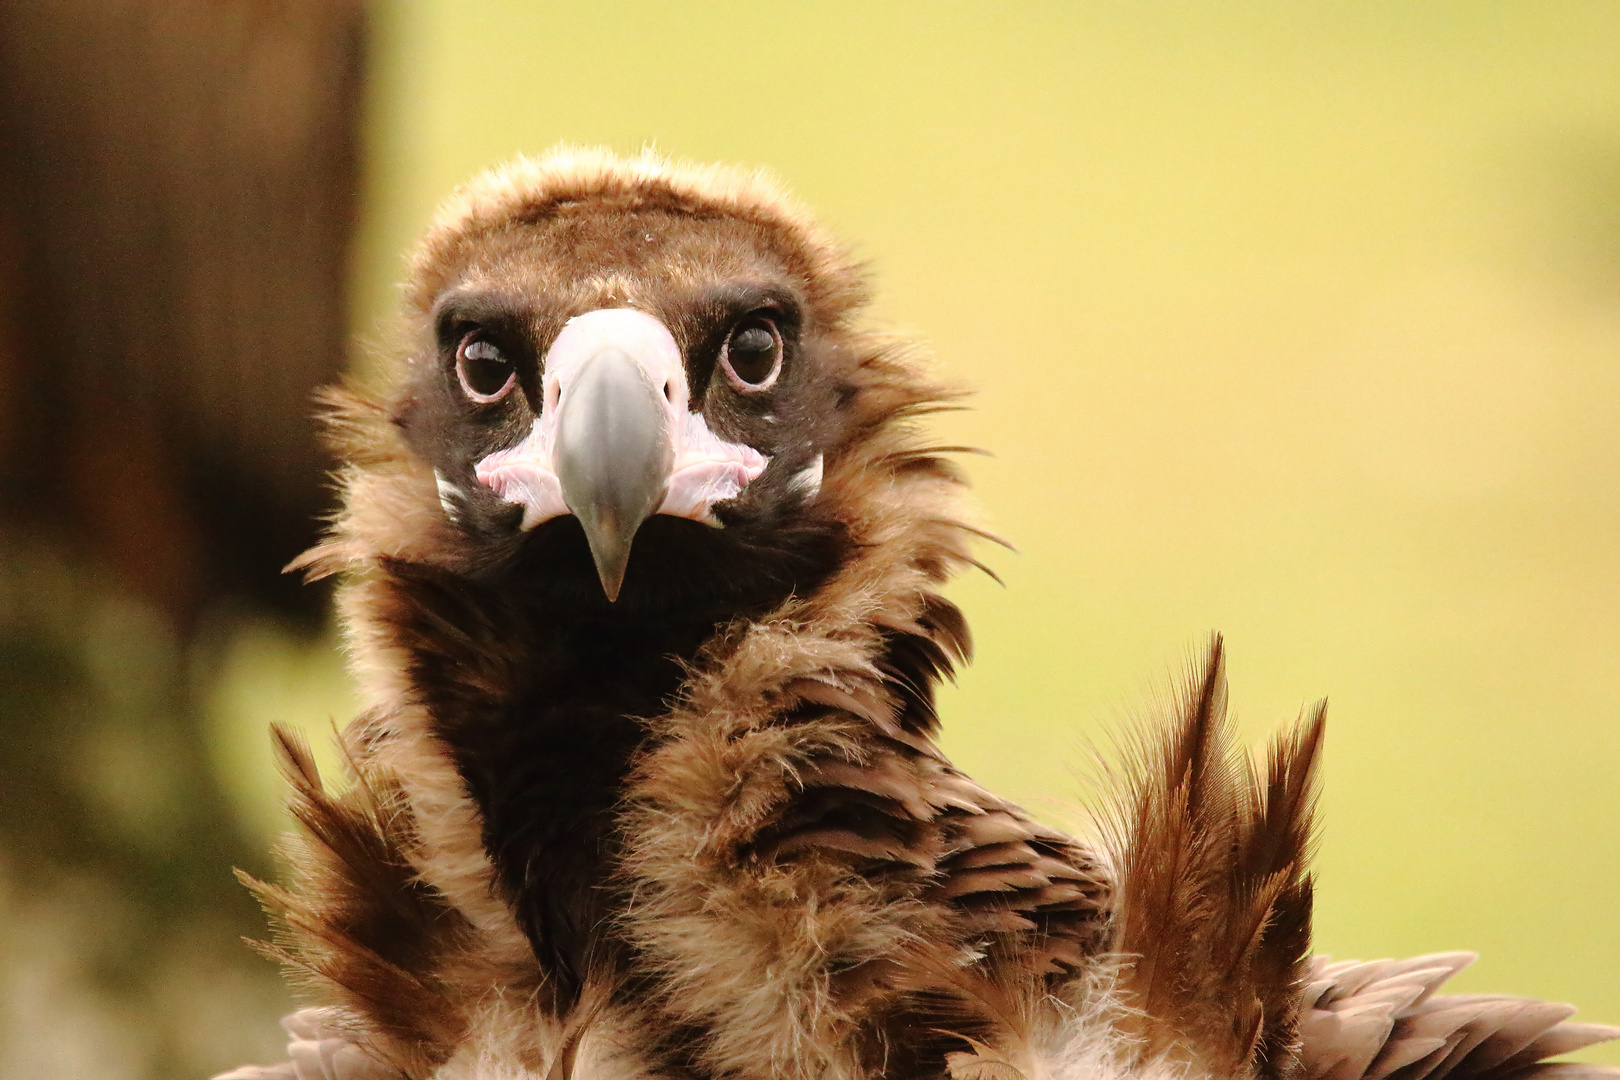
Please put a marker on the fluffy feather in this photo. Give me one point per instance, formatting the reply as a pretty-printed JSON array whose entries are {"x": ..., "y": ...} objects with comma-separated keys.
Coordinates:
[{"x": 1213, "y": 903}]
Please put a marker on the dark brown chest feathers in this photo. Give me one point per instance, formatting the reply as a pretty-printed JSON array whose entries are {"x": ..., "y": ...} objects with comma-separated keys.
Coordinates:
[{"x": 541, "y": 716}]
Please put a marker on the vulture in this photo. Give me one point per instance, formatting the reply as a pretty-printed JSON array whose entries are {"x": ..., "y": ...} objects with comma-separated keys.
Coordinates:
[{"x": 641, "y": 547}]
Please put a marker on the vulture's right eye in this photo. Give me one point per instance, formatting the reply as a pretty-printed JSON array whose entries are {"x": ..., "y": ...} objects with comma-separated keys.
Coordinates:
[{"x": 486, "y": 375}]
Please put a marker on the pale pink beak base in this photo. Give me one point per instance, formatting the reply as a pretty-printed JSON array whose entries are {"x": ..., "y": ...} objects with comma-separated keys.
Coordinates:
[{"x": 704, "y": 469}]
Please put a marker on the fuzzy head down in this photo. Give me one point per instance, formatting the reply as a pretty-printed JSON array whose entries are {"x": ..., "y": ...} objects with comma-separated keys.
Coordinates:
[{"x": 760, "y": 309}]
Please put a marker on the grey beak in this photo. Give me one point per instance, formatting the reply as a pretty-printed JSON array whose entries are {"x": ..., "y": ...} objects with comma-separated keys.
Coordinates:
[{"x": 613, "y": 455}]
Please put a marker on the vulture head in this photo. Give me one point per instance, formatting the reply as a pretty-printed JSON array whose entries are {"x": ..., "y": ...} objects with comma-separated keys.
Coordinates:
[{"x": 631, "y": 390}]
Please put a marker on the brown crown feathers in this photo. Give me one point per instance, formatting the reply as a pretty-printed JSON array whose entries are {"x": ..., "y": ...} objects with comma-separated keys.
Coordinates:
[{"x": 673, "y": 807}]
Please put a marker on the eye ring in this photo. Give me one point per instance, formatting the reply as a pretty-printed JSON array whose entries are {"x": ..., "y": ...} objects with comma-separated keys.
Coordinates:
[
  {"x": 480, "y": 365},
  {"x": 752, "y": 360}
]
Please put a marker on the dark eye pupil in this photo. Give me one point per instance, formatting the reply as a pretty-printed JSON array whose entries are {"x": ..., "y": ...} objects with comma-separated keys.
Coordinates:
[
  {"x": 484, "y": 368},
  {"x": 753, "y": 354}
]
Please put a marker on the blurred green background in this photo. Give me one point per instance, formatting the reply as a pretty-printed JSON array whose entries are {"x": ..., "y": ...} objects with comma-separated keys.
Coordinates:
[{"x": 1296, "y": 322}]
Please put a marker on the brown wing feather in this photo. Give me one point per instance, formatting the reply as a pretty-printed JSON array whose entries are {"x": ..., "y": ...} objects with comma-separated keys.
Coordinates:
[
  {"x": 356, "y": 926},
  {"x": 1213, "y": 899},
  {"x": 1020, "y": 889},
  {"x": 1383, "y": 1021}
]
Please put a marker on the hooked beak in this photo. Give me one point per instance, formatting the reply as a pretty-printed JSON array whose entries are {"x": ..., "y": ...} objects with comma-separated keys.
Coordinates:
[
  {"x": 615, "y": 443},
  {"x": 613, "y": 455}
]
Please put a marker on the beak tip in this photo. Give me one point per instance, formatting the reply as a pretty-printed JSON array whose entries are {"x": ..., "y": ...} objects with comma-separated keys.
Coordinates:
[{"x": 610, "y": 551}]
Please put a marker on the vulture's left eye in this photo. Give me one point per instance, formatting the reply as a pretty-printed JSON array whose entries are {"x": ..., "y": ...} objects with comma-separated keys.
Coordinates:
[
  {"x": 485, "y": 373},
  {"x": 752, "y": 358}
]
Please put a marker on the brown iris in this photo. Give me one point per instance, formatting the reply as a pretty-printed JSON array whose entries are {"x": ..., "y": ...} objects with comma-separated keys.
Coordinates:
[{"x": 752, "y": 358}]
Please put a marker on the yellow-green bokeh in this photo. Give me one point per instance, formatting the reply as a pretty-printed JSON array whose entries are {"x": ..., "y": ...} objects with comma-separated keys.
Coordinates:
[{"x": 1297, "y": 321}]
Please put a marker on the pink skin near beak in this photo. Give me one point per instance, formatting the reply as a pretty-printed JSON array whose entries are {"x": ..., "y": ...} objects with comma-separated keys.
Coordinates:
[{"x": 621, "y": 347}]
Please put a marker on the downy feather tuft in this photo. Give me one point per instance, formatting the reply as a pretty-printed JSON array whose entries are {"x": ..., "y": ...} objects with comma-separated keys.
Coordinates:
[{"x": 1213, "y": 899}]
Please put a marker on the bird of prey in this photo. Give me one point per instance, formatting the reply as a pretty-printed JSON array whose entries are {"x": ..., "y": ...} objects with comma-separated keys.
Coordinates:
[{"x": 641, "y": 550}]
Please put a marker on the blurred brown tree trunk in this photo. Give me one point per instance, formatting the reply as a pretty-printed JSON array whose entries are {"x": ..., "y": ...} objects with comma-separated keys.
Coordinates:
[{"x": 177, "y": 185}]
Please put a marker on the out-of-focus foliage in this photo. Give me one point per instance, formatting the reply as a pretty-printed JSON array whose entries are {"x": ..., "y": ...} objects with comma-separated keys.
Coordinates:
[
  {"x": 176, "y": 196},
  {"x": 1297, "y": 321},
  {"x": 120, "y": 925}
]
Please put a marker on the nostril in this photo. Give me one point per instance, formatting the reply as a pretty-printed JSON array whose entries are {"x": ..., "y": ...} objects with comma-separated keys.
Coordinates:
[{"x": 669, "y": 390}]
